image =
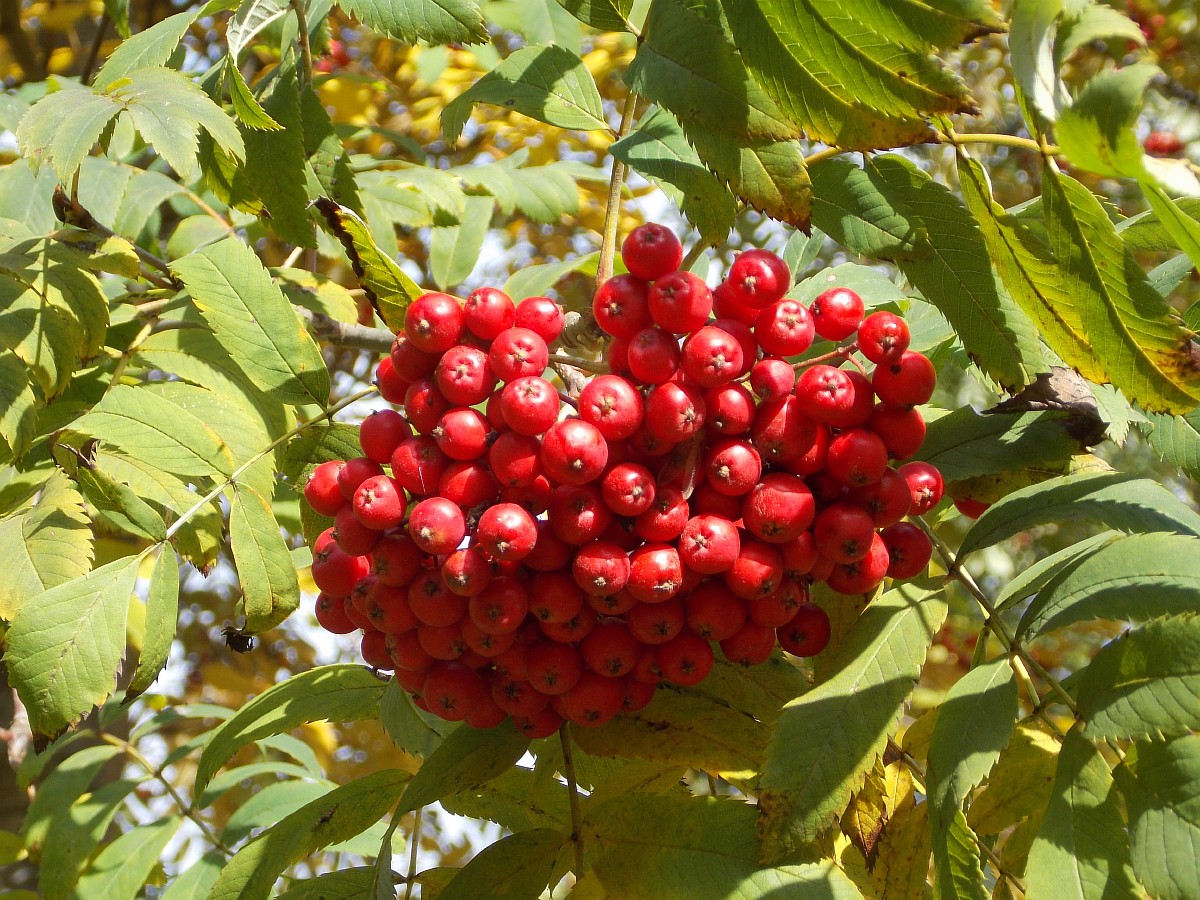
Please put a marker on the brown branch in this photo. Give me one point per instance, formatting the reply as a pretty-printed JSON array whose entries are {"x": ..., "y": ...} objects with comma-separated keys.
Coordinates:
[
  {"x": 343, "y": 334},
  {"x": 18, "y": 40}
]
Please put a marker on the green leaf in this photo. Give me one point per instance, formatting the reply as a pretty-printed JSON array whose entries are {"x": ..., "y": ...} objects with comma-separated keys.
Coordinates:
[
  {"x": 1019, "y": 783},
  {"x": 965, "y": 444},
  {"x": 139, "y": 423},
  {"x": 318, "y": 293},
  {"x": 545, "y": 193},
  {"x": 957, "y": 278},
  {"x": 958, "y": 868},
  {"x": 1096, "y": 131},
  {"x": 875, "y": 287},
  {"x": 836, "y": 73},
  {"x": 1040, "y": 88},
  {"x": 1147, "y": 232},
  {"x": 516, "y": 867},
  {"x": 1123, "y": 502},
  {"x": 688, "y": 63},
  {"x": 340, "y": 693},
  {"x": 454, "y": 249},
  {"x": 1129, "y": 324},
  {"x": 433, "y": 21},
  {"x": 169, "y": 110},
  {"x": 152, "y": 47},
  {"x": 254, "y": 321},
  {"x": 346, "y": 884},
  {"x": 1184, "y": 230},
  {"x": 1033, "y": 276},
  {"x": 271, "y": 591},
  {"x": 770, "y": 176},
  {"x": 63, "y": 648},
  {"x": 1160, "y": 781},
  {"x": 1176, "y": 439},
  {"x": 825, "y": 740},
  {"x": 709, "y": 852},
  {"x": 412, "y": 730},
  {"x": 849, "y": 205},
  {"x": 120, "y": 505},
  {"x": 1145, "y": 683},
  {"x": 72, "y": 839},
  {"x": 337, "y": 816},
  {"x": 236, "y": 778},
  {"x": 42, "y": 136},
  {"x": 197, "y": 880},
  {"x": 162, "y": 613},
  {"x": 386, "y": 284},
  {"x": 688, "y": 730},
  {"x": 271, "y": 804},
  {"x": 550, "y": 84},
  {"x": 1032, "y": 579},
  {"x": 1095, "y": 22},
  {"x": 973, "y": 727},
  {"x": 245, "y": 105},
  {"x": 518, "y": 800},
  {"x": 249, "y": 20},
  {"x": 535, "y": 281},
  {"x": 467, "y": 758},
  {"x": 18, "y": 421},
  {"x": 605, "y": 15},
  {"x": 1136, "y": 578},
  {"x": 275, "y": 160},
  {"x": 122, "y": 867},
  {"x": 1081, "y": 851},
  {"x": 61, "y": 789},
  {"x": 44, "y": 546}
]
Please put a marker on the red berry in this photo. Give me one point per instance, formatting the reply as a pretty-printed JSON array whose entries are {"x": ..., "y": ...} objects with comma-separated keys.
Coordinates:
[
  {"x": 674, "y": 411},
  {"x": 462, "y": 433},
  {"x": 530, "y": 405},
  {"x": 425, "y": 404},
  {"x": 651, "y": 251},
  {"x": 374, "y": 650},
  {"x": 437, "y": 526},
  {"x": 909, "y": 549},
  {"x": 621, "y": 307},
  {"x": 657, "y": 623},
  {"x": 686, "y": 659},
  {"x": 655, "y": 573},
  {"x": 500, "y": 607},
  {"x": 555, "y": 597},
  {"x": 593, "y": 700},
  {"x": 902, "y": 430},
  {"x": 857, "y": 457},
  {"x": 354, "y": 472},
  {"x": 542, "y": 316},
  {"x": 517, "y": 352},
  {"x": 553, "y": 667},
  {"x": 352, "y": 535},
  {"x": 784, "y": 328},
  {"x": 434, "y": 322},
  {"x": 323, "y": 491},
  {"x": 467, "y": 571},
  {"x": 970, "y": 507},
  {"x": 378, "y": 503},
  {"x": 714, "y": 612},
  {"x": 781, "y": 431},
  {"x": 807, "y": 634},
  {"x": 709, "y": 545},
  {"x": 772, "y": 378},
  {"x": 729, "y": 409},
  {"x": 609, "y": 649},
  {"x": 336, "y": 572},
  {"x": 758, "y": 278},
  {"x": 613, "y": 405},
  {"x": 756, "y": 572},
  {"x": 464, "y": 375},
  {"x": 577, "y": 513},
  {"x": 732, "y": 466},
  {"x": 410, "y": 362},
  {"x": 1162, "y": 143},
  {"x": 574, "y": 452},
  {"x": 391, "y": 385},
  {"x": 488, "y": 311},
  {"x": 506, "y": 532},
  {"x": 924, "y": 484},
  {"x": 469, "y": 484},
  {"x": 381, "y": 432},
  {"x": 908, "y": 381},
  {"x": 418, "y": 464},
  {"x": 887, "y": 500},
  {"x": 628, "y": 489},
  {"x": 750, "y": 646},
  {"x": 711, "y": 357},
  {"x": 331, "y": 614},
  {"x": 434, "y": 604},
  {"x": 452, "y": 691},
  {"x": 837, "y": 313},
  {"x": 680, "y": 302},
  {"x": 883, "y": 336},
  {"x": 516, "y": 459},
  {"x": 654, "y": 356},
  {"x": 863, "y": 575},
  {"x": 843, "y": 532},
  {"x": 779, "y": 508},
  {"x": 601, "y": 567},
  {"x": 825, "y": 393}
]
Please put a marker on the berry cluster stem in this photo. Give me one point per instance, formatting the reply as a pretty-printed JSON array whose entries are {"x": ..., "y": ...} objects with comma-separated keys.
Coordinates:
[
  {"x": 564, "y": 737},
  {"x": 612, "y": 213}
]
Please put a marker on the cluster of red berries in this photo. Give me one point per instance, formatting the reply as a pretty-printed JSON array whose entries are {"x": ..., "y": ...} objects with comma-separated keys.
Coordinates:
[{"x": 516, "y": 561}]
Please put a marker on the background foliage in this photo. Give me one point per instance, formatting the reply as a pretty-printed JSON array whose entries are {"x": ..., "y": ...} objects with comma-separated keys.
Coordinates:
[{"x": 179, "y": 324}]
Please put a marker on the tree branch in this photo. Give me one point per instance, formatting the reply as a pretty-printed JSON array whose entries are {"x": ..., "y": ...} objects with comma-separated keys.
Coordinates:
[
  {"x": 18, "y": 40},
  {"x": 612, "y": 213},
  {"x": 343, "y": 334},
  {"x": 564, "y": 737}
]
